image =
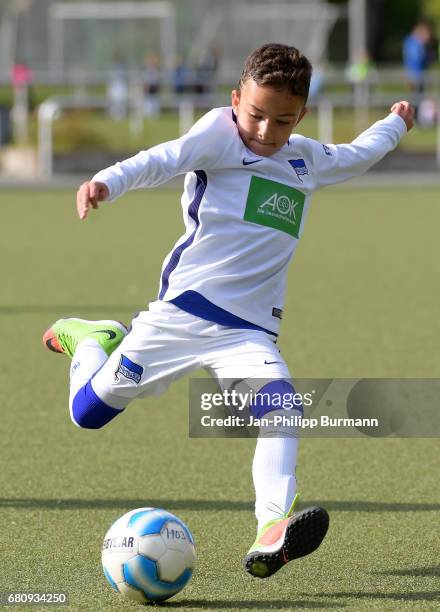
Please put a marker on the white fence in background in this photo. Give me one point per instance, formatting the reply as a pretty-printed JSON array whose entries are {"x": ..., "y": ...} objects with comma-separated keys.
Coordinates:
[
  {"x": 52, "y": 108},
  {"x": 186, "y": 106}
]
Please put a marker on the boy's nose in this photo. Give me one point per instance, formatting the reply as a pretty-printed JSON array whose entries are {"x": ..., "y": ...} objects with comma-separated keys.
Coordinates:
[{"x": 264, "y": 132}]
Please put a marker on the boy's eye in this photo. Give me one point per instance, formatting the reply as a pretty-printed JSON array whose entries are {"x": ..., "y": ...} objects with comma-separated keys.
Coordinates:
[
  {"x": 283, "y": 122},
  {"x": 257, "y": 117}
]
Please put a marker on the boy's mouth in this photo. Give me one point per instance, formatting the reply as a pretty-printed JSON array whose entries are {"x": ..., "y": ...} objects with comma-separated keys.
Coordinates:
[{"x": 263, "y": 144}]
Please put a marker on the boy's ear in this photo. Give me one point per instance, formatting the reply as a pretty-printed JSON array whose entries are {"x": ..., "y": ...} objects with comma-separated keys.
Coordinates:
[
  {"x": 235, "y": 98},
  {"x": 304, "y": 111}
]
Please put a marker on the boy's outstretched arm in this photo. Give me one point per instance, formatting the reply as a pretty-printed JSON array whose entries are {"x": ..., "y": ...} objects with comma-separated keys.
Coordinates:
[
  {"x": 338, "y": 163},
  {"x": 405, "y": 110},
  {"x": 88, "y": 196},
  {"x": 206, "y": 146}
]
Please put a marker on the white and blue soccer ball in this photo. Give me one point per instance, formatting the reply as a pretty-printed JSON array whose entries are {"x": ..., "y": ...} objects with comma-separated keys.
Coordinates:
[{"x": 148, "y": 555}]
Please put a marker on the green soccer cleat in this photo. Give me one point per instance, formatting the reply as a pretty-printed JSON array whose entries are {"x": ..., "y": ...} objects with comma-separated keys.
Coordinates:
[
  {"x": 65, "y": 335},
  {"x": 285, "y": 539}
]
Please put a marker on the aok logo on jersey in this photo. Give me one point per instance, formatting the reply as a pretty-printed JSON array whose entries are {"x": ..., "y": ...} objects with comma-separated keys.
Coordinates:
[{"x": 275, "y": 205}]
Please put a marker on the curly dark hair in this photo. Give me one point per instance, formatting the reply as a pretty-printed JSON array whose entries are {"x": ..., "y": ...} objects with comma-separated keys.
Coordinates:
[{"x": 278, "y": 66}]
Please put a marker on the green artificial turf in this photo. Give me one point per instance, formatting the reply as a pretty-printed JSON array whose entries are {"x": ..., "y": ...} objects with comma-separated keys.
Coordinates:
[{"x": 362, "y": 302}]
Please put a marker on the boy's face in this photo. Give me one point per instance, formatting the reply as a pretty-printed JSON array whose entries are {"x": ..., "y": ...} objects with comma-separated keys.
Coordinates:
[{"x": 265, "y": 116}]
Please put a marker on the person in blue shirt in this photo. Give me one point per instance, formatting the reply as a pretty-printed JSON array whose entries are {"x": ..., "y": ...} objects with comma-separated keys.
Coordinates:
[{"x": 416, "y": 56}]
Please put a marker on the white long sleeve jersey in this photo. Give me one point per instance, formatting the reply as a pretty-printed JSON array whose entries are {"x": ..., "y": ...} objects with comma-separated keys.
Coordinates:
[{"x": 243, "y": 213}]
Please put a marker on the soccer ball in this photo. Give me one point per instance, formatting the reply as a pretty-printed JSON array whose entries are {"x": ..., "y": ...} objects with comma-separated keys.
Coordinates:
[{"x": 148, "y": 555}]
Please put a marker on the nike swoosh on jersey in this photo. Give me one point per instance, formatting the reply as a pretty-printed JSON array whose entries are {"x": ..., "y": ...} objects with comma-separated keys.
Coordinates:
[
  {"x": 270, "y": 362},
  {"x": 110, "y": 332},
  {"x": 251, "y": 161}
]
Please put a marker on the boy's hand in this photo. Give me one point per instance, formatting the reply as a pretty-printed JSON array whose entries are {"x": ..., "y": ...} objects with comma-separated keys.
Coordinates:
[
  {"x": 405, "y": 110},
  {"x": 88, "y": 196}
]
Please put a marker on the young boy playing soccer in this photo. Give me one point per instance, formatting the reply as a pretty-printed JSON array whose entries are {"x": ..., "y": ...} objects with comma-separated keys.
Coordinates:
[{"x": 246, "y": 195}]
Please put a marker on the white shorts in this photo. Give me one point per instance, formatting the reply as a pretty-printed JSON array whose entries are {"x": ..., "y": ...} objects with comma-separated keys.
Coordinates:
[{"x": 166, "y": 343}]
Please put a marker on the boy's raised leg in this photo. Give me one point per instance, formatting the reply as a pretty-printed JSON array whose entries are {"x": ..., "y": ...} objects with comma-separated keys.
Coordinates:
[{"x": 89, "y": 344}]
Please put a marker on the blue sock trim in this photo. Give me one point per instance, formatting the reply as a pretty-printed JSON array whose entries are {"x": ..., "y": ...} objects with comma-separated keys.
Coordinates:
[
  {"x": 89, "y": 411},
  {"x": 276, "y": 395}
]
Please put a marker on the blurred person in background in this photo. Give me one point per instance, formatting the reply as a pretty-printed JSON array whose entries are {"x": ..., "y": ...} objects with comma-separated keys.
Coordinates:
[
  {"x": 151, "y": 85},
  {"x": 21, "y": 80},
  {"x": 420, "y": 50},
  {"x": 361, "y": 71},
  {"x": 117, "y": 89},
  {"x": 182, "y": 77},
  {"x": 205, "y": 72},
  {"x": 417, "y": 55}
]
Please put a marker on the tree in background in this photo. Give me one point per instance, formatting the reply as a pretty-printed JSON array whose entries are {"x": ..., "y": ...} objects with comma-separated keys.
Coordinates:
[
  {"x": 388, "y": 22},
  {"x": 431, "y": 11}
]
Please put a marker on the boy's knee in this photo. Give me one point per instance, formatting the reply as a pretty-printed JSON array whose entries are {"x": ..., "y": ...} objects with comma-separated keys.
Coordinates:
[
  {"x": 89, "y": 411},
  {"x": 275, "y": 404},
  {"x": 275, "y": 395}
]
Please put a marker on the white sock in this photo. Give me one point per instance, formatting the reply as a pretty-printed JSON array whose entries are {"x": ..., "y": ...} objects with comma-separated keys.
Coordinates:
[
  {"x": 273, "y": 472},
  {"x": 87, "y": 359}
]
